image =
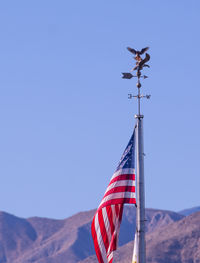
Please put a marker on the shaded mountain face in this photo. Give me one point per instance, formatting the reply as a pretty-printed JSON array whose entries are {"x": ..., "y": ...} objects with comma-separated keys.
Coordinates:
[
  {"x": 16, "y": 236},
  {"x": 189, "y": 211},
  {"x": 43, "y": 240},
  {"x": 177, "y": 242},
  {"x": 155, "y": 219}
]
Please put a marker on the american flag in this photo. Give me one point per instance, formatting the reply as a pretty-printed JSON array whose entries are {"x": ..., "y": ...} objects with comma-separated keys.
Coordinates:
[{"x": 121, "y": 190}]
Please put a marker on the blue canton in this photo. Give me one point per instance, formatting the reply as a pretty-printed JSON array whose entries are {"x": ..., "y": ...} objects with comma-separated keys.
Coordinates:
[{"x": 128, "y": 158}]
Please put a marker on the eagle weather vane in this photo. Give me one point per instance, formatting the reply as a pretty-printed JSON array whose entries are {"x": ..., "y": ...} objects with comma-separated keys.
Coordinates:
[{"x": 140, "y": 64}]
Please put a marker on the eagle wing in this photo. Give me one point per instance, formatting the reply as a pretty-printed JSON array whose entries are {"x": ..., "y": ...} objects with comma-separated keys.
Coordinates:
[
  {"x": 132, "y": 50},
  {"x": 143, "y": 50}
]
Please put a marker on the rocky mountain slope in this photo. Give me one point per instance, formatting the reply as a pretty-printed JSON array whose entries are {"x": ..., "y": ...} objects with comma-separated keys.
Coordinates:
[
  {"x": 43, "y": 240},
  {"x": 187, "y": 212},
  {"x": 177, "y": 242}
]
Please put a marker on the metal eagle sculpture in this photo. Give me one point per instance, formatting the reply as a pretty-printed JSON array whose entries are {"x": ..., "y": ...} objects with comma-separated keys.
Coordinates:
[
  {"x": 137, "y": 52},
  {"x": 140, "y": 62}
]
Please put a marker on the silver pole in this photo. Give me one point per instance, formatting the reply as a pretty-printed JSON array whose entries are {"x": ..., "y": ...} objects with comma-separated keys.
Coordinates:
[
  {"x": 140, "y": 220},
  {"x": 140, "y": 191}
]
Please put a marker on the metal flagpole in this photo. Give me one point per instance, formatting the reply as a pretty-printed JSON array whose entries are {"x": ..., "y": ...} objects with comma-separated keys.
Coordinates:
[{"x": 140, "y": 220}]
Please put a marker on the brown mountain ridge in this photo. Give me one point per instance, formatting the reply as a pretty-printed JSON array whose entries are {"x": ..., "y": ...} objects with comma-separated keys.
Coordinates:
[
  {"x": 177, "y": 242},
  {"x": 43, "y": 240}
]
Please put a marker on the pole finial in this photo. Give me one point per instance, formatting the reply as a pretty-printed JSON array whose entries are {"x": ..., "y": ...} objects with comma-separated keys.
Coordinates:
[{"x": 139, "y": 66}]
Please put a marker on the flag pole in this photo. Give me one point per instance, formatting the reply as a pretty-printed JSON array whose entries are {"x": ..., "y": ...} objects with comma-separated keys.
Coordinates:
[
  {"x": 140, "y": 200},
  {"x": 140, "y": 220}
]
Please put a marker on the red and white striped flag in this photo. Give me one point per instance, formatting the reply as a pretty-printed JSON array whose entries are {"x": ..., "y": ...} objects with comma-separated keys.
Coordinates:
[{"x": 121, "y": 190}]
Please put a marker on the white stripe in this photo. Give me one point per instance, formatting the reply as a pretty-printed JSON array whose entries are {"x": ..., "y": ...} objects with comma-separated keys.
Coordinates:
[
  {"x": 114, "y": 213},
  {"x": 99, "y": 239},
  {"x": 106, "y": 224},
  {"x": 117, "y": 195},
  {"x": 110, "y": 256},
  {"x": 123, "y": 171},
  {"x": 116, "y": 223},
  {"x": 120, "y": 183},
  {"x": 115, "y": 217}
]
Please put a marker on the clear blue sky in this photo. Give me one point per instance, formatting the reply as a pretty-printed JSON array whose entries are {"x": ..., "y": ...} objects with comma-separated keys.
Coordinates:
[{"x": 64, "y": 114}]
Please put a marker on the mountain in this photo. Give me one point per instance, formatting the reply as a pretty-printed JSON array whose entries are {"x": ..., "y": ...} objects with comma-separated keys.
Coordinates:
[
  {"x": 16, "y": 236},
  {"x": 177, "y": 242},
  {"x": 187, "y": 212},
  {"x": 155, "y": 219},
  {"x": 43, "y": 240}
]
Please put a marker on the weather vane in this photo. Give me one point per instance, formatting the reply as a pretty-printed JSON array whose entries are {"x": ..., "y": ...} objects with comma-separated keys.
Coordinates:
[{"x": 140, "y": 64}]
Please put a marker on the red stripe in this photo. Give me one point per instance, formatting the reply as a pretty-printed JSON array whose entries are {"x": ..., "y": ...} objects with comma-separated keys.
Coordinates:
[
  {"x": 118, "y": 189},
  {"x": 118, "y": 201},
  {"x": 103, "y": 230},
  {"x": 113, "y": 237},
  {"x": 114, "y": 217},
  {"x": 110, "y": 218},
  {"x": 120, "y": 219},
  {"x": 122, "y": 177},
  {"x": 96, "y": 244},
  {"x": 121, "y": 212},
  {"x": 117, "y": 210}
]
